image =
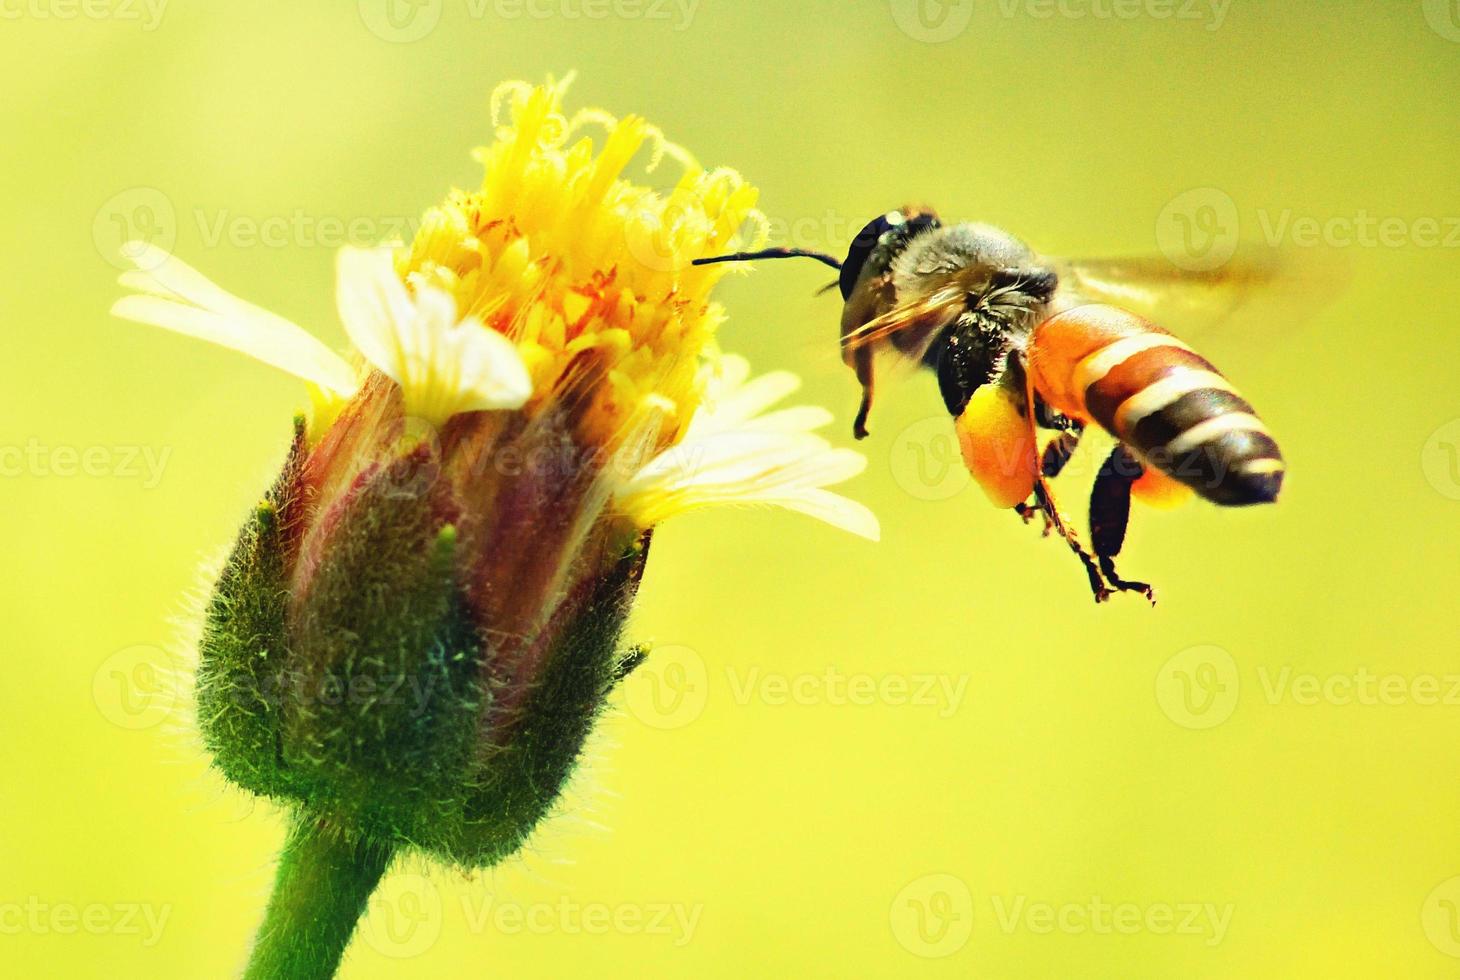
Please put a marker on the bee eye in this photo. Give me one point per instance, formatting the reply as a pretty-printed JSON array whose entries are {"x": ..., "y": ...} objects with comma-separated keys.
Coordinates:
[
  {"x": 861, "y": 248},
  {"x": 902, "y": 225}
]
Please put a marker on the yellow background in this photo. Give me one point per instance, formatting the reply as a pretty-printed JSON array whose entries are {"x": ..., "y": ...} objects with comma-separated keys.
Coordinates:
[{"x": 1074, "y": 767}]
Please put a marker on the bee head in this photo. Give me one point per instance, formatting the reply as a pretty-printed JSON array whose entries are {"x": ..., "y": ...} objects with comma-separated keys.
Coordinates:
[{"x": 880, "y": 240}]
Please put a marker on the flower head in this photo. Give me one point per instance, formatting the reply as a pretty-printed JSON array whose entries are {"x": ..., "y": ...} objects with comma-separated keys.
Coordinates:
[{"x": 419, "y": 623}]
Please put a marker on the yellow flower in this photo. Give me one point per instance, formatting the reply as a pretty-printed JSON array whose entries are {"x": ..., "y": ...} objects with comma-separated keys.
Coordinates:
[{"x": 558, "y": 282}]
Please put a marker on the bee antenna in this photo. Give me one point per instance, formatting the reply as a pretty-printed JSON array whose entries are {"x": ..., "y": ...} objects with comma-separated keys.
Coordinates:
[{"x": 772, "y": 253}]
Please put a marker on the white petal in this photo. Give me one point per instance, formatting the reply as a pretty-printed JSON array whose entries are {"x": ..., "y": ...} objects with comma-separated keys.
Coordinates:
[
  {"x": 373, "y": 305},
  {"x": 728, "y": 409},
  {"x": 733, "y": 456},
  {"x": 444, "y": 367},
  {"x": 800, "y": 418},
  {"x": 728, "y": 372},
  {"x": 173, "y": 295},
  {"x": 834, "y": 509}
]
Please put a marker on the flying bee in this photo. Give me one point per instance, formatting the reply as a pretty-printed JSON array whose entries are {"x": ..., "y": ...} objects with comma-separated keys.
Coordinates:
[{"x": 1030, "y": 352}]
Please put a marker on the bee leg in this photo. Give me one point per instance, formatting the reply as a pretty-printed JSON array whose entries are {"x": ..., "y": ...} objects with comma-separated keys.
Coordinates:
[
  {"x": 1047, "y": 418},
  {"x": 1028, "y": 514},
  {"x": 1051, "y": 514},
  {"x": 863, "y": 366},
  {"x": 1056, "y": 454},
  {"x": 1045, "y": 501},
  {"x": 1110, "y": 515}
]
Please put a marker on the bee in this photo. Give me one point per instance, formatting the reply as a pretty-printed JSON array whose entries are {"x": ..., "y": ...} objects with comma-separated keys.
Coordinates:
[{"x": 1030, "y": 352}]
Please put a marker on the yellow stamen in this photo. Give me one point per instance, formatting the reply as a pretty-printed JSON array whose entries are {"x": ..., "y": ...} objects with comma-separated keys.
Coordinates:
[{"x": 561, "y": 253}]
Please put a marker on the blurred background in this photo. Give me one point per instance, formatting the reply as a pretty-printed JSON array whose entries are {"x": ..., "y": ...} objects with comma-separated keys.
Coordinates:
[{"x": 933, "y": 756}]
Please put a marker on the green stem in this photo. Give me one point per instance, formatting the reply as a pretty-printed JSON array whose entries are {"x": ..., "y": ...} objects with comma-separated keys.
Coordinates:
[{"x": 320, "y": 892}]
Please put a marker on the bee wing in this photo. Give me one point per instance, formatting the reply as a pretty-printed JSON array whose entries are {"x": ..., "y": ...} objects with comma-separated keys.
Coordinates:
[
  {"x": 1280, "y": 283},
  {"x": 912, "y": 325}
]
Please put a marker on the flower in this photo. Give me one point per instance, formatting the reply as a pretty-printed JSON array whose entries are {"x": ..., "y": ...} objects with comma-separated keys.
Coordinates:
[{"x": 420, "y": 621}]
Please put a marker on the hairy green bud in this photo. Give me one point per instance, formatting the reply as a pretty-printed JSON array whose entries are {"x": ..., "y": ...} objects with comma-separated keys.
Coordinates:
[{"x": 387, "y": 653}]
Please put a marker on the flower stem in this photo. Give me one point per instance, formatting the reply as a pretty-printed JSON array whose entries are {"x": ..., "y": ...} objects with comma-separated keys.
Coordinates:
[{"x": 323, "y": 883}]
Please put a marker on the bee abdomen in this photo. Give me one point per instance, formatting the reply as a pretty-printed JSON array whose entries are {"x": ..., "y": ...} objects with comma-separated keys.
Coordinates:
[{"x": 1183, "y": 416}]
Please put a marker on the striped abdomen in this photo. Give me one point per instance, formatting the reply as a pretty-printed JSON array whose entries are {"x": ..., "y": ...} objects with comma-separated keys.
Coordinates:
[{"x": 1158, "y": 396}]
